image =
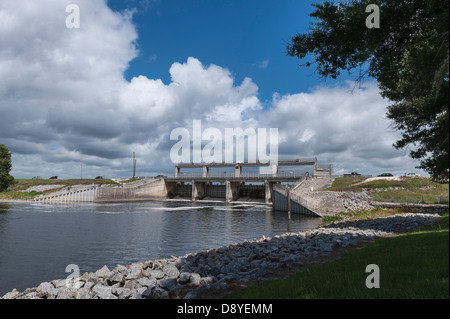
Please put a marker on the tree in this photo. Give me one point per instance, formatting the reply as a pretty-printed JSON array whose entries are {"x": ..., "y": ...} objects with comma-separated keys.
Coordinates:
[
  {"x": 5, "y": 168},
  {"x": 408, "y": 55}
]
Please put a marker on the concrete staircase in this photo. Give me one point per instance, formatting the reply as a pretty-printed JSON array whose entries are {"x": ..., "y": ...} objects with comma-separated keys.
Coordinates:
[
  {"x": 89, "y": 193},
  {"x": 80, "y": 195}
]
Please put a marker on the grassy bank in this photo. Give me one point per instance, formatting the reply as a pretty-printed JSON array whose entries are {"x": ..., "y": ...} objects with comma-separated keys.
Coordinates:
[
  {"x": 413, "y": 265},
  {"x": 405, "y": 189},
  {"x": 18, "y": 190}
]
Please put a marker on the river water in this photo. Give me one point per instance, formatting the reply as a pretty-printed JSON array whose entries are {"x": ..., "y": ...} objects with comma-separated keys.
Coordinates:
[{"x": 38, "y": 241}]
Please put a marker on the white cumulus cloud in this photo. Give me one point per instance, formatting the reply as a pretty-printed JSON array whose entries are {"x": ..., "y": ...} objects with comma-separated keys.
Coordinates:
[{"x": 63, "y": 96}]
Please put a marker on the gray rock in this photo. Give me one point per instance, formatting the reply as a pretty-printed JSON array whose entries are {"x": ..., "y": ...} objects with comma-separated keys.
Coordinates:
[
  {"x": 160, "y": 293},
  {"x": 147, "y": 282},
  {"x": 83, "y": 293},
  {"x": 146, "y": 272},
  {"x": 31, "y": 295},
  {"x": 122, "y": 293},
  {"x": 59, "y": 283},
  {"x": 122, "y": 269},
  {"x": 103, "y": 292},
  {"x": 147, "y": 293},
  {"x": 171, "y": 270},
  {"x": 168, "y": 283},
  {"x": 207, "y": 280},
  {"x": 116, "y": 277},
  {"x": 191, "y": 295},
  {"x": 134, "y": 273},
  {"x": 157, "y": 274},
  {"x": 47, "y": 288},
  {"x": 104, "y": 272},
  {"x": 89, "y": 284},
  {"x": 141, "y": 290},
  {"x": 11, "y": 295},
  {"x": 135, "y": 295},
  {"x": 148, "y": 264},
  {"x": 131, "y": 284},
  {"x": 65, "y": 293},
  {"x": 184, "y": 277},
  {"x": 194, "y": 279}
]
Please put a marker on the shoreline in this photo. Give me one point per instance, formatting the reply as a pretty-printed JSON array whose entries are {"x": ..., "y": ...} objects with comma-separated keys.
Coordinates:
[
  {"x": 13, "y": 200},
  {"x": 208, "y": 200},
  {"x": 218, "y": 269}
]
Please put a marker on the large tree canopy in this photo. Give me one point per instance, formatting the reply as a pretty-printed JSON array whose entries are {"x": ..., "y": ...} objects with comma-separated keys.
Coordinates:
[
  {"x": 5, "y": 167},
  {"x": 408, "y": 55}
]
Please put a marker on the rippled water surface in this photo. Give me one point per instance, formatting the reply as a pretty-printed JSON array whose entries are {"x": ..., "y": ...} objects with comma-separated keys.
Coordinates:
[{"x": 38, "y": 241}]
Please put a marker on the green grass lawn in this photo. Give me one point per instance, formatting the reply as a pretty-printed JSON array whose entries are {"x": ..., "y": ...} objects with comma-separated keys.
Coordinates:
[{"x": 413, "y": 265}]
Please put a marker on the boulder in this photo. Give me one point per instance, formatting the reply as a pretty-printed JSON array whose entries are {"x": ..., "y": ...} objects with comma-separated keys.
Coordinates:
[
  {"x": 11, "y": 295},
  {"x": 147, "y": 282},
  {"x": 170, "y": 270},
  {"x": 47, "y": 288},
  {"x": 157, "y": 274},
  {"x": 194, "y": 279},
  {"x": 184, "y": 277},
  {"x": 104, "y": 272},
  {"x": 168, "y": 283},
  {"x": 103, "y": 292}
]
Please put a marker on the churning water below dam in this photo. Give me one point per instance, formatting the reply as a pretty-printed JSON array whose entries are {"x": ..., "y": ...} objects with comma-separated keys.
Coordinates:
[{"x": 38, "y": 241}]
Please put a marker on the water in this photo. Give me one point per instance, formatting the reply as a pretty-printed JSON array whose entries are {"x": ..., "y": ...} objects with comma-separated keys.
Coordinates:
[{"x": 38, "y": 241}]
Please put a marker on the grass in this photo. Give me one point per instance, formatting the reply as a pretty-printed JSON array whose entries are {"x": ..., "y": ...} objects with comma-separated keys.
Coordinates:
[
  {"x": 405, "y": 190},
  {"x": 414, "y": 265},
  {"x": 16, "y": 191}
]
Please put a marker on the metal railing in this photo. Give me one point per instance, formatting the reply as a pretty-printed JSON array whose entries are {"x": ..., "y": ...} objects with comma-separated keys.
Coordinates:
[{"x": 231, "y": 175}]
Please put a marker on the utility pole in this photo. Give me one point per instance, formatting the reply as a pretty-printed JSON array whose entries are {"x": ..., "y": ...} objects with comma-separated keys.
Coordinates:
[
  {"x": 81, "y": 166},
  {"x": 134, "y": 165}
]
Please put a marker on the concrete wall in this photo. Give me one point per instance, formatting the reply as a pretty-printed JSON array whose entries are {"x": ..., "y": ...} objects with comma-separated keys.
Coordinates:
[
  {"x": 285, "y": 201},
  {"x": 232, "y": 191},
  {"x": 198, "y": 190},
  {"x": 153, "y": 190},
  {"x": 83, "y": 195}
]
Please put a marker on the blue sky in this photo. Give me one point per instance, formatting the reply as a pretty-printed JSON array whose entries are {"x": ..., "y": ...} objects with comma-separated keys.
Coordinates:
[
  {"x": 136, "y": 70},
  {"x": 247, "y": 37}
]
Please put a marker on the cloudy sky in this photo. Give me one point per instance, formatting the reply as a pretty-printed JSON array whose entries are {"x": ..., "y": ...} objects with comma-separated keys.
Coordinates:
[{"x": 135, "y": 70}]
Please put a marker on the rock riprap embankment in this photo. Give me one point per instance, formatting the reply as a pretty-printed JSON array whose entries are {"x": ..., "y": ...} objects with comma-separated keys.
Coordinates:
[{"x": 216, "y": 268}]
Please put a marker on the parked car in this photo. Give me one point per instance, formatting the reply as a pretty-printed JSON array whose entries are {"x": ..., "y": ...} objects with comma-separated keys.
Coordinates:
[
  {"x": 386, "y": 175},
  {"x": 54, "y": 177},
  {"x": 36, "y": 177},
  {"x": 412, "y": 174},
  {"x": 99, "y": 177},
  {"x": 353, "y": 174}
]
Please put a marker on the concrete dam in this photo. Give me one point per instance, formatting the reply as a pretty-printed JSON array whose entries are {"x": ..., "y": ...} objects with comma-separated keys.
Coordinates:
[{"x": 264, "y": 187}]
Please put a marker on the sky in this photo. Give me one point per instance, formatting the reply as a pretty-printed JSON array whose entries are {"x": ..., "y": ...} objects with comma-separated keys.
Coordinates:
[{"x": 135, "y": 70}]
